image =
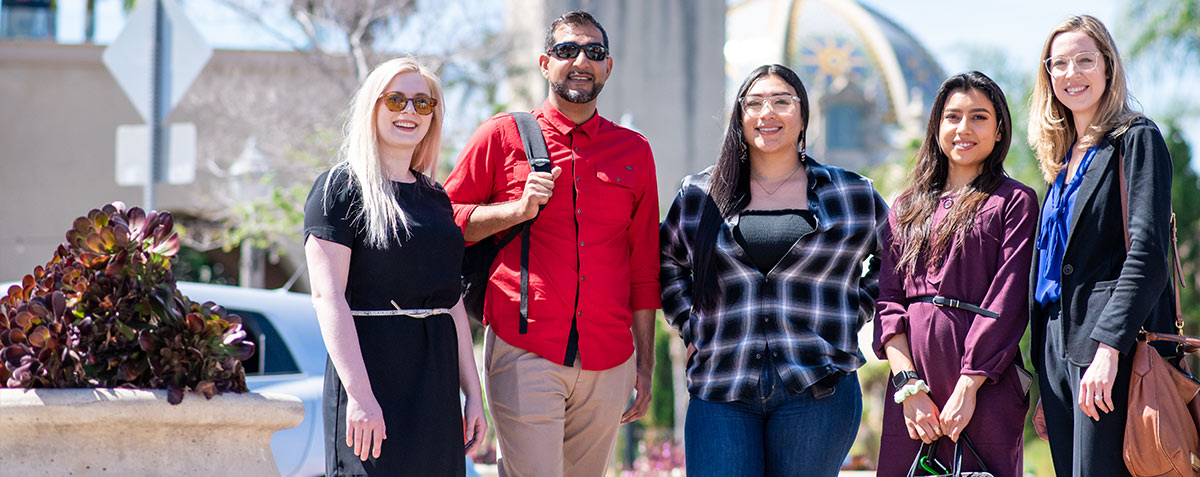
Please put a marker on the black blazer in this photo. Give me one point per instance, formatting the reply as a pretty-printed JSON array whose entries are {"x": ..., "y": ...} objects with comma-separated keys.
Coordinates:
[{"x": 1108, "y": 295}]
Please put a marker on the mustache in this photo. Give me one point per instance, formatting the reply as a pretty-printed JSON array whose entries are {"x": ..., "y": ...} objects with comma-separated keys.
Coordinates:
[{"x": 581, "y": 73}]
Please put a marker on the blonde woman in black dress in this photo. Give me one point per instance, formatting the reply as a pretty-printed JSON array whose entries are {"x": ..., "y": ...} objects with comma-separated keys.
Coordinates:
[{"x": 384, "y": 257}]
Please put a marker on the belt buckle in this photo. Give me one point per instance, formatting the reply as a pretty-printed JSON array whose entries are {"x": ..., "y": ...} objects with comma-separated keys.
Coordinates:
[{"x": 939, "y": 300}]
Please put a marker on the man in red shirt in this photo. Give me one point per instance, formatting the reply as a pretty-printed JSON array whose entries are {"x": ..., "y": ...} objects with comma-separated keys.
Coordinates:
[{"x": 557, "y": 391}]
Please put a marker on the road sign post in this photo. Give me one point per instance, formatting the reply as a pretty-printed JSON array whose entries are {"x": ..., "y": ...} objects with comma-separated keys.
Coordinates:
[
  {"x": 156, "y": 115},
  {"x": 155, "y": 79}
]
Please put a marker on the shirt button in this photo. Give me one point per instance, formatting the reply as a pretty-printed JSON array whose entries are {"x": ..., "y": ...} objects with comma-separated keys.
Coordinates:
[
  {"x": 1068, "y": 269},
  {"x": 948, "y": 203},
  {"x": 579, "y": 313},
  {"x": 775, "y": 354},
  {"x": 581, "y": 243},
  {"x": 576, "y": 149},
  {"x": 578, "y": 211},
  {"x": 581, "y": 278},
  {"x": 576, "y": 179},
  {"x": 767, "y": 320},
  {"x": 757, "y": 355}
]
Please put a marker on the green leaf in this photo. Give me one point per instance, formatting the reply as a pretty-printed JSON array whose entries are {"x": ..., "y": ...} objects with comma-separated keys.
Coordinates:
[{"x": 125, "y": 330}]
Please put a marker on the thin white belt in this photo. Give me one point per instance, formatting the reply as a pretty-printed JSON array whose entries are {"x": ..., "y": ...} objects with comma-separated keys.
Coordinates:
[{"x": 413, "y": 312}]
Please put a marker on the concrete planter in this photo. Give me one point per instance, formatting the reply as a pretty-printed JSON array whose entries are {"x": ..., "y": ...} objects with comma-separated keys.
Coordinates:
[{"x": 118, "y": 432}]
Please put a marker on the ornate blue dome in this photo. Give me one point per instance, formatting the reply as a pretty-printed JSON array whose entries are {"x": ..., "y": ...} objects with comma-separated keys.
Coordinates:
[{"x": 870, "y": 83}]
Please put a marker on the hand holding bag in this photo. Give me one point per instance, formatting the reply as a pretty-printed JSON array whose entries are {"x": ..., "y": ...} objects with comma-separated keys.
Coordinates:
[{"x": 926, "y": 462}]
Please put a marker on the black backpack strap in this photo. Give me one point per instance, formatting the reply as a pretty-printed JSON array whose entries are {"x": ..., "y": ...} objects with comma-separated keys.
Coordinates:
[
  {"x": 524, "y": 326},
  {"x": 539, "y": 161},
  {"x": 532, "y": 141}
]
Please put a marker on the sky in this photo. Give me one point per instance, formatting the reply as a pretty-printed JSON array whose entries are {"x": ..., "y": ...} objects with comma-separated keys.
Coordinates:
[{"x": 955, "y": 32}]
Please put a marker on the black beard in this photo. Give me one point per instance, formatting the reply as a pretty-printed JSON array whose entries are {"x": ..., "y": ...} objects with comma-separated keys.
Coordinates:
[{"x": 575, "y": 96}]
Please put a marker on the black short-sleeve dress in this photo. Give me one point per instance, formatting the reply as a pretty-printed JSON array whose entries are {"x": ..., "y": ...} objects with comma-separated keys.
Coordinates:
[{"x": 412, "y": 363}]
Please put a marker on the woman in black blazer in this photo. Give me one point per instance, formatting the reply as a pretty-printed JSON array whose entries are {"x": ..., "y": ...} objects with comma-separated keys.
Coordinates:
[{"x": 1091, "y": 292}]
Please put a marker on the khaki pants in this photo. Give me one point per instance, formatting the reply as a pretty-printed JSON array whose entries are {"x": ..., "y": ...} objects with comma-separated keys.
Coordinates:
[{"x": 553, "y": 420}]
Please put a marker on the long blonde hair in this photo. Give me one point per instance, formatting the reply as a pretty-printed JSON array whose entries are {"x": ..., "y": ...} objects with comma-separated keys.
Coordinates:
[
  {"x": 359, "y": 153},
  {"x": 1051, "y": 125}
]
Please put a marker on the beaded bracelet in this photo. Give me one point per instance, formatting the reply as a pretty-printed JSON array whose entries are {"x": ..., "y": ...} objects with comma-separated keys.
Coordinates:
[{"x": 910, "y": 389}]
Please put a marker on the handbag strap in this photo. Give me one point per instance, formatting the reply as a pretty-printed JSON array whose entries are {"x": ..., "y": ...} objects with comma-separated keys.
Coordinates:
[
  {"x": 956, "y": 470},
  {"x": 1188, "y": 343},
  {"x": 1175, "y": 265},
  {"x": 964, "y": 441},
  {"x": 925, "y": 450}
]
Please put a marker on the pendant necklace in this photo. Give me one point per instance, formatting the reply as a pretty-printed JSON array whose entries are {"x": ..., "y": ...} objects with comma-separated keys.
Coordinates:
[{"x": 780, "y": 186}]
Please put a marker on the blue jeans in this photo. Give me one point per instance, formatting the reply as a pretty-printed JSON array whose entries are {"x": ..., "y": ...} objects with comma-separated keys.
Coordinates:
[{"x": 778, "y": 434}]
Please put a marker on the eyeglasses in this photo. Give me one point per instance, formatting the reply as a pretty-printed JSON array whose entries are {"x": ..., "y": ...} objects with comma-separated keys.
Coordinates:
[
  {"x": 397, "y": 101},
  {"x": 569, "y": 50},
  {"x": 780, "y": 103},
  {"x": 1084, "y": 61}
]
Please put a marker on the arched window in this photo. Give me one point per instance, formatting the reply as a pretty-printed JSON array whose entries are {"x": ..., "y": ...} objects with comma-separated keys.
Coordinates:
[{"x": 844, "y": 127}]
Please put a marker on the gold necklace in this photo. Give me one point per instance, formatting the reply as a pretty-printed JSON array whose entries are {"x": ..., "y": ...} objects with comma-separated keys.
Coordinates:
[{"x": 780, "y": 186}]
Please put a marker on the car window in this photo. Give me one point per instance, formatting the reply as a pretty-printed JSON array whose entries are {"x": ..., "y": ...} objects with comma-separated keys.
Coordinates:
[{"x": 271, "y": 355}]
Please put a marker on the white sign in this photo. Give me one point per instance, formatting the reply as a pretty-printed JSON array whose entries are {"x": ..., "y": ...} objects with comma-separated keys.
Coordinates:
[
  {"x": 133, "y": 153},
  {"x": 130, "y": 58}
]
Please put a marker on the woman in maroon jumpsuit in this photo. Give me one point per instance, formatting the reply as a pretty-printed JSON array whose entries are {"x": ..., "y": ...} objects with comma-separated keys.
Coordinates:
[{"x": 962, "y": 230}]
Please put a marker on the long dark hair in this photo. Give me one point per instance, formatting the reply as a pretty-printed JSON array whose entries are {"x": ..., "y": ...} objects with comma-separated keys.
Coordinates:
[
  {"x": 729, "y": 183},
  {"x": 730, "y": 180},
  {"x": 916, "y": 205}
]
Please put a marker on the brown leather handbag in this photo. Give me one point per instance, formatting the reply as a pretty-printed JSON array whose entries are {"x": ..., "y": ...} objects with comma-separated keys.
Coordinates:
[
  {"x": 1161, "y": 428},
  {"x": 1161, "y": 437}
]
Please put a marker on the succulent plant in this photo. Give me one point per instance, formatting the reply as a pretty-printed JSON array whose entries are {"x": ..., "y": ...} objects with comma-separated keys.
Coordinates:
[{"x": 105, "y": 312}]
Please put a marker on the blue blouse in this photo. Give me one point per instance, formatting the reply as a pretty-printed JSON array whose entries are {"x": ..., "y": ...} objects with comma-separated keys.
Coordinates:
[{"x": 1052, "y": 237}]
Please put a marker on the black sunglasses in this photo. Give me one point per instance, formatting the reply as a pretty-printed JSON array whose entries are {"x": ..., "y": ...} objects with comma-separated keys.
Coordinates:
[{"x": 568, "y": 50}]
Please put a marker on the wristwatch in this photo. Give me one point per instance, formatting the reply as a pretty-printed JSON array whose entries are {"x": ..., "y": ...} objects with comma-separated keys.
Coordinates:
[{"x": 901, "y": 378}]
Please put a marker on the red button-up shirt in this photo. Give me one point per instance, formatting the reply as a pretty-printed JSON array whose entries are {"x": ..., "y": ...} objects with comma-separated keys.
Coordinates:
[{"x": 594, "y": 248}]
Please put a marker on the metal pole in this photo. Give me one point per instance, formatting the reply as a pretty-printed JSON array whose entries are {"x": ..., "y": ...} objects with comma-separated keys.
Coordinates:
[{"x": 154, "y": 168}]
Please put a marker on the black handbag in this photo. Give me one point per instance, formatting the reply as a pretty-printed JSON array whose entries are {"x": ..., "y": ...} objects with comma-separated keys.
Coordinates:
[
  {"x": 926, "y": 462},
  {"x": 479, "y": 256}
]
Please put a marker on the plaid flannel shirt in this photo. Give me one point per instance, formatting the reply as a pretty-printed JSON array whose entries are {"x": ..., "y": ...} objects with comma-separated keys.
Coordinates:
[{"x": 806, "y": 312}]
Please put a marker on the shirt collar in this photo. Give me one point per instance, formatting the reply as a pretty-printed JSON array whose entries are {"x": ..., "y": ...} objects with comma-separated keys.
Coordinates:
[
  {"x": 564, "y": 125},
  {"x": 817, "y": 172}
]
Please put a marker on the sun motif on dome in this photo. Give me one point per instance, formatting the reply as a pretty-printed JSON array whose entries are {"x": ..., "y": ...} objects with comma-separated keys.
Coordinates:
[{"x": 832, "y": 62}]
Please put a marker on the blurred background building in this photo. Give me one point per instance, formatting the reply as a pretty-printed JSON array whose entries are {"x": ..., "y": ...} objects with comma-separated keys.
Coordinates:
[{"x": 676, "y": 64}]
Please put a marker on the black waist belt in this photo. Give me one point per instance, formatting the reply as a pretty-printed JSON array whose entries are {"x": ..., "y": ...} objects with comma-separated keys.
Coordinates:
[{"x": 952, "y": 303}]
